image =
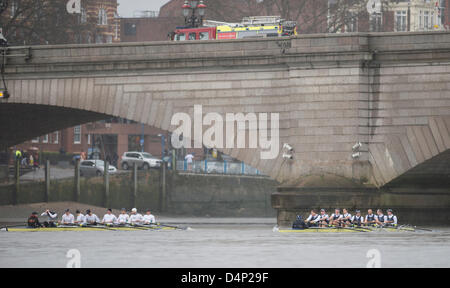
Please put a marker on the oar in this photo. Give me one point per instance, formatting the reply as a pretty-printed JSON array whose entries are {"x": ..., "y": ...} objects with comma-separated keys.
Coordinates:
[{"x": 169, "y": 226}]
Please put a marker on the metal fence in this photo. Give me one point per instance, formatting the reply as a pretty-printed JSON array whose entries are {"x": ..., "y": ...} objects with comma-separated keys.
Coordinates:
[{"x": 217, "y": 167}]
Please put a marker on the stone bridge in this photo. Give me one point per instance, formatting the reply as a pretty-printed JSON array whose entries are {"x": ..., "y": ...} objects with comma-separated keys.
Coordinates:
[{"x": 391, "y": 92}]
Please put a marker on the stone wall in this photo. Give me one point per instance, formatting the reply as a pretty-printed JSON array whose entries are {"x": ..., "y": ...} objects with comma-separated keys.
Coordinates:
[
  {"x": 187, "y": 195},
  {"x": 390, "y": 91}
]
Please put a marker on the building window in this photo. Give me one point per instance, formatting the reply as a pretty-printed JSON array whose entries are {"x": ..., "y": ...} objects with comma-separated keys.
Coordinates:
[
  {"x": 401, "y": 21},
  {"x": 376, "y": 22},
  {"x": 109, "y": 39},
  {"x": 14, "y": 6},
  {"x": 77, "y": 135},
  {"x": 35, "y": 140},
  {"x": 83, "y": 16},
  {"x": 56, "y": 137},
  {"x": 98, "y": 39},
  {"x": 130, "y": 29},
  {"x": 421, "y": 19},
  {"x": 426, "y": 19},
  {"x": 102, "y": 17},
  {"x": 89, "y": 139},
  {"x": 45, "y": 138},
  {"x": 352, "y": 23}
]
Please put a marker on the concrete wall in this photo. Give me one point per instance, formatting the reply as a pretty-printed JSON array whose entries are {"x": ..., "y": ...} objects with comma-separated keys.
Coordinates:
[{"x": 187, "y": 195}]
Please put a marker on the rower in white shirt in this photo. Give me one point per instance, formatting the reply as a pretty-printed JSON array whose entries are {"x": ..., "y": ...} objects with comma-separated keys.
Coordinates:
[
  {"x": 80, "y": 218},
  {"x": 91, "y": 218},
  {"x": 324, "y": 219},
  {"x": 346, "y": 219},
  {"x": 67, "y": 218},
  {"x": 357, "y": 219},
  {"x": 109, "y": 218},
  {"x": 149, "y": 218},
  {"x": 335, "y": 218},
  {"x": 380, "y": 219},
  {"x": 135, "y": 217},
  {"x": 123, "y": 218},
  {"x": 52, "y": 217},
  {"x": 391, "y": 219},
  {"x": 313, "y": 219}
]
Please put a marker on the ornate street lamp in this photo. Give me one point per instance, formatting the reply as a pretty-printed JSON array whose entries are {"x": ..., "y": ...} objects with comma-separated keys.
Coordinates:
[{"x": 193, "y": 5}]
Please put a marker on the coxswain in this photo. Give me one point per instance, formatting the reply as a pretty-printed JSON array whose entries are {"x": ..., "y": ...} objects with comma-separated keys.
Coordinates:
[
  {"x": 91, "y": 218},
  {"x": 346, "y": 218},
  {"x": 324, "y": 219},
  {"x": 313, "y": 219},
  {"x": 391, "y": 219},
  {"x": 149, "y": 218},
  {"x": 335, "y": 218},
  {"x": 370, "y": 219},
  {"x": 67, "y": 218},
  {"x": 357, "y": 220},
  {"x": 52, "y": 217},
  {"x": 109, "y": 218},
  {"x": 381, "y": 218},
  {"x": 33, "y": 221},
  {"x": 135, "y": 217},
  {"x": 123, "y": 218},
  {"x": 80, "y": 218}
]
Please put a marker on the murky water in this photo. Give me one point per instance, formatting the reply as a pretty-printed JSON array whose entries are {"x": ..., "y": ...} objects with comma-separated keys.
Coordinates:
[{"x": 225, "y": 246}]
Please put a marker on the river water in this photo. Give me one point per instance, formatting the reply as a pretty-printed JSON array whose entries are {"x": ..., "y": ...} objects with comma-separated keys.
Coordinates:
[{"x": 246, "y": 245}]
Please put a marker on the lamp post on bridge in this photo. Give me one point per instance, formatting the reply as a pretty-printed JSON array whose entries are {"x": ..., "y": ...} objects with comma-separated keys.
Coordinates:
[{"x": 193, "y": 5}]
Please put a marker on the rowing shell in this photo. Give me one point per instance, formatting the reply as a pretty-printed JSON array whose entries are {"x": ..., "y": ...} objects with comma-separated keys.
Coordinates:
[
  {"x": 346, "y": 229},
  {"x": 87, "y": 228}
]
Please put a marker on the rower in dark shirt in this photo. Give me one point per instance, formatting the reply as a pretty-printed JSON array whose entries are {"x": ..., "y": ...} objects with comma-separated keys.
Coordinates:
[{"x": 33, "y": 221}]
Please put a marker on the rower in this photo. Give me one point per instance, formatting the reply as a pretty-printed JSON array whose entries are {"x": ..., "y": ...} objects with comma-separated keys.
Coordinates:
[
  {"x": 346, "y": 218},
  {"x": 80, "y": 219},
  {"x": 357, "y": 220},
  {"x": 67, "y": 218},
  {"x": 324, "y": 220},
  {"x": 313, "y": 219},
  {"x": 370, "y": 218},
  {"x": 51, "y": 218},
  {"x": 91, "y": 218},
  {"x": 149, "y": 218},
  {"x": 380, "y": 219},
  {"x": 33, "y": 221},
  {"x": 335, "y": 218},
  {"x": 109, "y": 218},
  {"x": 391, "y": 219},
  {"x": 135, "y": 217},
  {"x": 123, "y": 218}
]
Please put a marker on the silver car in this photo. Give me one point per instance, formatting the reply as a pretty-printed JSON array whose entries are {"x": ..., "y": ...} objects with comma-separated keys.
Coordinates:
[
  {"x": 143, "y": 160},
  {"x": 95, "y": 168}
]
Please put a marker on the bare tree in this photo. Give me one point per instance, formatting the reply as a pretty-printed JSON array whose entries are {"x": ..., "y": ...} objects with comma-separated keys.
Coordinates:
[{"x": 33, "y": 22}]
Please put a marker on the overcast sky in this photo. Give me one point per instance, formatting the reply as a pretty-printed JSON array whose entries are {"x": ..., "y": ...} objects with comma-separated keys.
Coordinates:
[{"x": 127, "y": 7}]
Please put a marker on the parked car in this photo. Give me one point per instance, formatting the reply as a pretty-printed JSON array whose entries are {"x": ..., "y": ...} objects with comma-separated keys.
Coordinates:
[
  {"x": 142, "y": 159},
  {"x": 95, "y": 168}
]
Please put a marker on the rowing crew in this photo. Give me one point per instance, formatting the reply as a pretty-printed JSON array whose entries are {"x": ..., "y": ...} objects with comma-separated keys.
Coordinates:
[
  {"x": 345, "y": 219},
  {"x": 90, "y": 218}
]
